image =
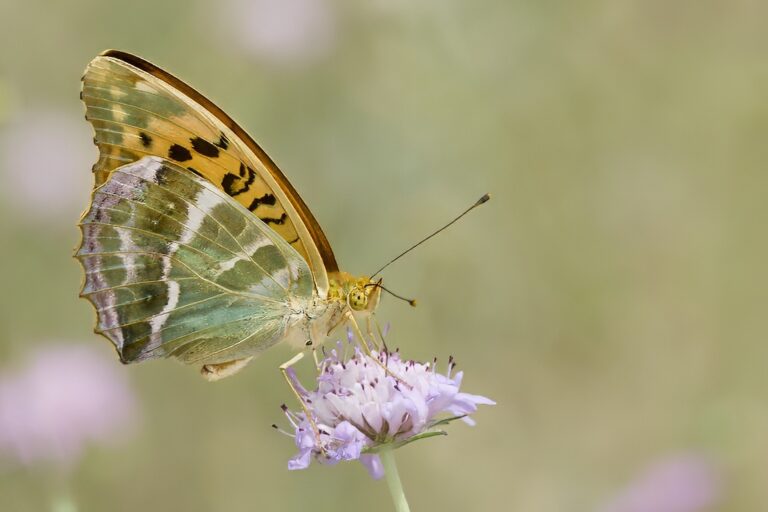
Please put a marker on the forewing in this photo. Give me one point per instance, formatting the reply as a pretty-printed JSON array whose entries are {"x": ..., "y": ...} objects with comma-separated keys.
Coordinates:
[
  {"x": 175, "y": 267},
  {"x": 137, "y": 109}
]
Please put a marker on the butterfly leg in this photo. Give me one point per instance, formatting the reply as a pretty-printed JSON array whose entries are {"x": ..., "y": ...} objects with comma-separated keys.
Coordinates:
[
  {"x": 380, "y": 332},
  {"x": 310, "y": 343},
  {"x": 291, "y": 384},
  {"x": 367, "y": 349},
  {"x": 214, "y": 372},
  {"x": 379, "y": 342}
]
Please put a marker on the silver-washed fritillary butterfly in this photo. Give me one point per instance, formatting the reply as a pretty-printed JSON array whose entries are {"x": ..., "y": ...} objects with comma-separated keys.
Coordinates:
[{"x": 195, "y": 246}]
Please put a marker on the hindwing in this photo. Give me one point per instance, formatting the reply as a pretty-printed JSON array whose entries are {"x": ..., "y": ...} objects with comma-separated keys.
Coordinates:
[{"x": 176, "y": 267}]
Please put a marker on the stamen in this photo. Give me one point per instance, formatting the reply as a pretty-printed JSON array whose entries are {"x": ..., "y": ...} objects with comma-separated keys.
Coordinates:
[{"x": 285, "y": 433}]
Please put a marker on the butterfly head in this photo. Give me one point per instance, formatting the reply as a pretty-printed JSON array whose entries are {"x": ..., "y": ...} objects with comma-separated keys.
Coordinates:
[{"x": 360, "y": 293}]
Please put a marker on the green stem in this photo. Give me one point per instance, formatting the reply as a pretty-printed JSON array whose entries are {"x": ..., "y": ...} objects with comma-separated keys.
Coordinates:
[
  {"x": 63, "y": 504},
  {"x": 61, "y": 492},
  {"x": 393, "y": 480}
]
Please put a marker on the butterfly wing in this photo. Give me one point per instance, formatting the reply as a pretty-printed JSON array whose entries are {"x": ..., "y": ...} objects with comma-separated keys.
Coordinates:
[
  {"x": 137, "y": 109},
  {"x": 175, "y": 267}
]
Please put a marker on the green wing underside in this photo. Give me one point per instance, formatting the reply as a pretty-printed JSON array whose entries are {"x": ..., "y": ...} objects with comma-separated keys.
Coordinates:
[{"x": 175, "y": 267}]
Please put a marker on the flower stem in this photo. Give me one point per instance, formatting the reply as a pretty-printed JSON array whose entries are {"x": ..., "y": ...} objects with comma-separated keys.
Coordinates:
[
  {"x": 63, "y": 504},
  {"x": 393, "y": 480}
]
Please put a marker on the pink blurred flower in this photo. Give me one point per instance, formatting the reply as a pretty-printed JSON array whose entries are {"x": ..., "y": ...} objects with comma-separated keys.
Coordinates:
[
  {"x": 681, "y": 483},
  {"x": 45, "y": 164},
  {"x": 282, "y": 31},
  {"x": 62, "y": 399}
]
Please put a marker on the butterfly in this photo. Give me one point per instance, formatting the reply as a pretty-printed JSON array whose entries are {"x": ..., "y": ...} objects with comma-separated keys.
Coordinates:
[{"x": 195, "y": 246}]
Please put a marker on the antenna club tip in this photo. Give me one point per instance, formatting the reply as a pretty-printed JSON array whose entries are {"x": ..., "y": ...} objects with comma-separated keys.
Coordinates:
[
  {"x": 483, "y": 199},
  {"x": 412, "y": 302}
]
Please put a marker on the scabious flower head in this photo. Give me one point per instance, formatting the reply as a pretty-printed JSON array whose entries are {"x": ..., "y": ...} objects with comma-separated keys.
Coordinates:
[
  {"x": 359, "y": 407},
  {"x": 59, "y": 197},
  {"x": 282, "y": 32},
  {"x": 64, "y": 399},
  {"x": 675, "y": 483}
]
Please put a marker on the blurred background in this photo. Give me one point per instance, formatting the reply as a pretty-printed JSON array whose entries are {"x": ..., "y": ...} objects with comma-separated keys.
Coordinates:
[{"x": 611, "y": 297}]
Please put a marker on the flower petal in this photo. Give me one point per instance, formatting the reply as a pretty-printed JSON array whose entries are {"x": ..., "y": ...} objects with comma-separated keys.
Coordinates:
[
  {"x": 373, "y": 464},
  {"x": 300, "y": 461}
]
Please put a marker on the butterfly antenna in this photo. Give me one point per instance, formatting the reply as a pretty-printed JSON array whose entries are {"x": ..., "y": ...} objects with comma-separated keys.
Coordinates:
[
  {"x": 378, "y": 284},
  {"x": 480, "y": 201}
]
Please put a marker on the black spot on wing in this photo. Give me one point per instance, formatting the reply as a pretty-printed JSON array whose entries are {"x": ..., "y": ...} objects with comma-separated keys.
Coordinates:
[
  {"x": 223, "y": 142},
  {"x": 204, "y": 147},
  {"x": 228, "y": 183},
  {"x": 161, "y": 176},
  {"x": 100, "y": 216},
  {"x": 179, "y": 153},
  {"x": 273, "y": 220},
  {"x": 234, "y": 184},
  {"x": 146, "y": 140},
  {"x": 267, "y": 199}
]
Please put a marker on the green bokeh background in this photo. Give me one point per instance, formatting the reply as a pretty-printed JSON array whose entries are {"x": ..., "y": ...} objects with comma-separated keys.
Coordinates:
[{"x": 611, "y": 297}]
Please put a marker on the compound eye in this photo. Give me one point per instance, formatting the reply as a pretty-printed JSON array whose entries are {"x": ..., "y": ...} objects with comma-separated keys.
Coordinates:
[{"x": 358, "y": 299}]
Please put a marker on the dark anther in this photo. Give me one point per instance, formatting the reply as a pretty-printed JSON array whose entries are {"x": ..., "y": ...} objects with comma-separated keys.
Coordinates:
[{"x": 284, "y": 407}]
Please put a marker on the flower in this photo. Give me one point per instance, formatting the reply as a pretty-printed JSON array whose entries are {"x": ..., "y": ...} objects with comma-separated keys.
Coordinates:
[
  {"x": 65, "y": 397},
  {"x": 677, "y": 483},
  {"x": 292, "y": 32},
  {"x": 44, "y": 166},
  {"x": 359, "y": 408}
]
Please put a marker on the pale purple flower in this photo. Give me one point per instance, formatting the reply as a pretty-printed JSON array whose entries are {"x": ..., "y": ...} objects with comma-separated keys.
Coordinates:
[
  {"x": 282, "y": 31},
  {"x": 45, "y": 163},
  {"x": 64, "y": 398},
  {"x": 679, "y": 483},
  {"x": 359, "y": 408}
]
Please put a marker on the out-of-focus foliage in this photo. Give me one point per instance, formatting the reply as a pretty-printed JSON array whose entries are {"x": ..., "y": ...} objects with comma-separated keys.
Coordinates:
[{"x": 611, "y": 297}]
